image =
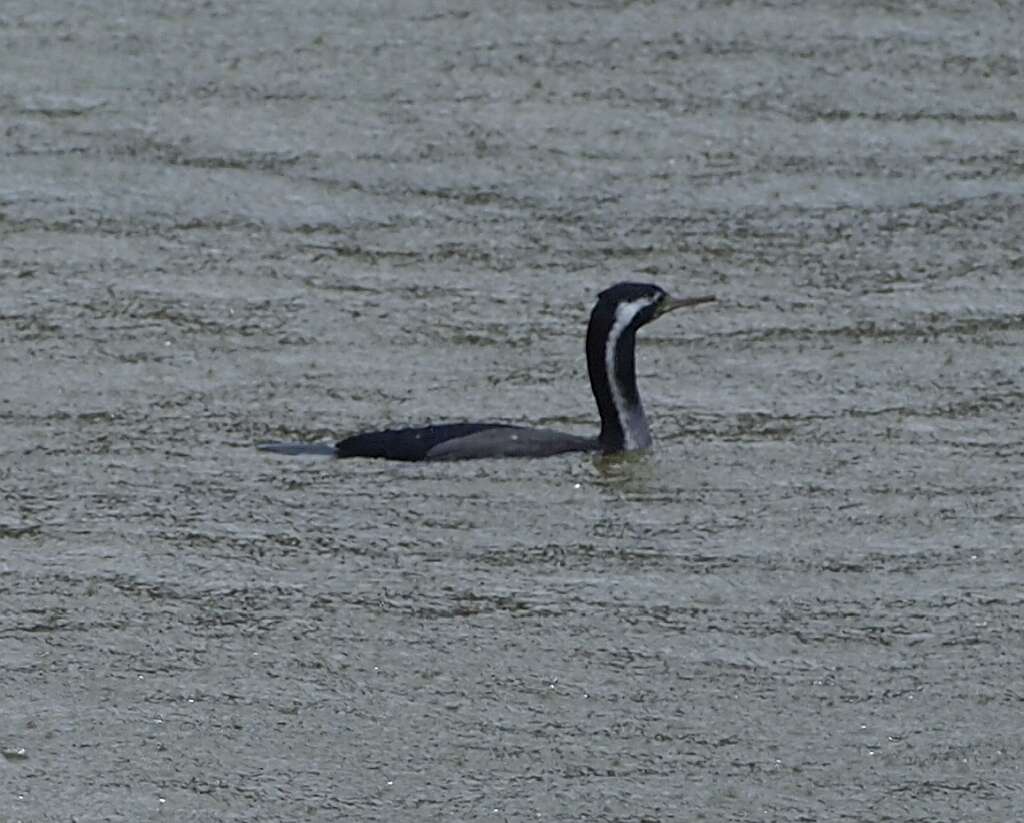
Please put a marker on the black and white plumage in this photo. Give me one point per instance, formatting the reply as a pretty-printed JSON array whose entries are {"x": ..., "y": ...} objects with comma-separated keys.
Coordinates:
[{"x": 611, "y": 341}]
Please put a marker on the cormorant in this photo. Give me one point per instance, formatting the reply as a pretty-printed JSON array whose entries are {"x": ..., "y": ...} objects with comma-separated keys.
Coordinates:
[{"x": 611, "y": 337}]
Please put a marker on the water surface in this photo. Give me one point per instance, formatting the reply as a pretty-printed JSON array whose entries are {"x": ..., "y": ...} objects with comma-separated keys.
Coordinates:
[{"x": 233, "y": 222}]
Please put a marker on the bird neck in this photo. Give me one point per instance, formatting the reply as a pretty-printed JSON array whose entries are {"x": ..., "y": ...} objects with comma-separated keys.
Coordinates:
[{"x": 611, "y": 343}]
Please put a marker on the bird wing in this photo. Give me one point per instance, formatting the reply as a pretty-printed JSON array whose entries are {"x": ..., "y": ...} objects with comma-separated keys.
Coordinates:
[{"x": 510, "y": 441}]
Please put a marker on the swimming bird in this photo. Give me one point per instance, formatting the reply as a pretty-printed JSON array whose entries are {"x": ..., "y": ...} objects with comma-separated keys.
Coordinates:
[{"x": 619, "y": 313}]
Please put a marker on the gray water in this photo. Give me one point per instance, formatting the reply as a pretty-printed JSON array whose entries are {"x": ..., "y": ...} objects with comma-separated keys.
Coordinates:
[{"x": 228, "y": 222}]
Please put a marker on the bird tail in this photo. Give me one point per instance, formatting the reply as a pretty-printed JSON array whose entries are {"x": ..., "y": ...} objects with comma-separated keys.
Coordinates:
[{"x": 318, "y": 449}]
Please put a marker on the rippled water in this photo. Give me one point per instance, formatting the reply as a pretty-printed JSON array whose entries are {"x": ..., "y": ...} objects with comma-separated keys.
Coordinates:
[{"x": 230, "y": 222}]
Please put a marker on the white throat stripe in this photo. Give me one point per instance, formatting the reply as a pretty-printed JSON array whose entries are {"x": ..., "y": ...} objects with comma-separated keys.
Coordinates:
[{"x": 624, "y": 315}]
